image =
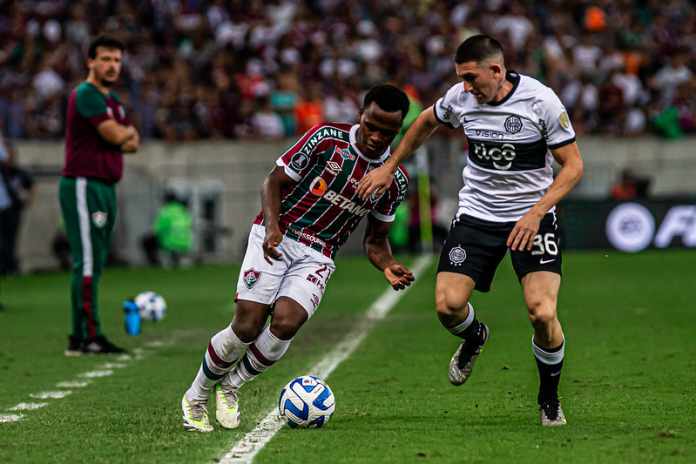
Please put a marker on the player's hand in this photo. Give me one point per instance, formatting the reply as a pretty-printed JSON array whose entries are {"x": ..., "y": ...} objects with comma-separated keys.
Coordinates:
[
  {"x": 270, "y": 244},
  {"x": 377, "y": 180},
  {"x": 522, "y": 235},
  {"x": 398, "y": 276}
]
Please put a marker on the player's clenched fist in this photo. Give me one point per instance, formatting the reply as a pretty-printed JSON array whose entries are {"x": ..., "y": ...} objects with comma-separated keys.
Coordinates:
[
  {"x": 270, "y": 242},
  {"x": 399, "y": 276}
]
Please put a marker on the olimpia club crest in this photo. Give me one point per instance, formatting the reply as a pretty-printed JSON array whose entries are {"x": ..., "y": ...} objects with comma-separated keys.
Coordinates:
[
  {"x": 513, "y": 124},
  {"x": 251, "y": 277},
  {"x": 457, "y": 256}
]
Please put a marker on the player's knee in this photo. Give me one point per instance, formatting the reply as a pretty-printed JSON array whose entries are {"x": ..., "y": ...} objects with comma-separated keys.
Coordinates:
[
  {"x": 248, "y": 324},
  {"x": 448, "y": 306},
  {"x": 247, "y": 330},
  {"x": 285, "y": 327},
  {"x": 542, "y": 312},
  {"x": 287, "y": 320}
]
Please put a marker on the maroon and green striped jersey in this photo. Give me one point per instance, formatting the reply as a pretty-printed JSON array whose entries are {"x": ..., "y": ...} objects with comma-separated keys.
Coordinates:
[
  {"x": 87, "y": 154},
  {"x": 322, "y": 209}
]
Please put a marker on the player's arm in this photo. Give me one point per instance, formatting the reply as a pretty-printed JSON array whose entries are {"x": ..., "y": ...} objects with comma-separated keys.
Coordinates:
[
  {"x": 131, "y": 145},
  {"x": 115, "y": 133},
  {"x": 380, "y": 178},
  {"x": 568, "y": 156},
  {"x": 376, "y": 243},
  {"x": 271, "y": 190}
]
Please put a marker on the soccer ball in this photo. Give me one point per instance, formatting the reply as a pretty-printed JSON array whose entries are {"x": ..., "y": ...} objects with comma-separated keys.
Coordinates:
[
  {"x": 151, "y": 305},
  {"x": 306, "y": 401}
]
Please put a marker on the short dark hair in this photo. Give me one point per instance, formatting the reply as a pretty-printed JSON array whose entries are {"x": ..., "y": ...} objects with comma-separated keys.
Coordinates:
[
  {"x": 106, "y": 42},
  {"x": 477, "y": 48},
  {"x": 387, "y": 97}
]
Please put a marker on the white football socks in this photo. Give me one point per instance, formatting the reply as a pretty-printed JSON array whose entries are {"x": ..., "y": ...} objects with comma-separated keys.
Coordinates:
[
  {"x": 224, "y": 349},
  {"x": 262, "y": 354}
]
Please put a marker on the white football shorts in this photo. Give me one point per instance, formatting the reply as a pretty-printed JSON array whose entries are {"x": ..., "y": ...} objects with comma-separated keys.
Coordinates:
[{"x": 301, "y": 275}]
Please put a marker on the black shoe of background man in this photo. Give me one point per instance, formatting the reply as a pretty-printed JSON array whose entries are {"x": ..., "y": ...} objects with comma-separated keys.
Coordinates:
[
  {"x": 100, "y": 345},
  {"x": 75, "y": 346}
]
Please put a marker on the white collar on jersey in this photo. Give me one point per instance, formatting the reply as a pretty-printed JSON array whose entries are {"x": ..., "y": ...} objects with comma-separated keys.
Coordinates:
[{"x": 353, "y": 141}]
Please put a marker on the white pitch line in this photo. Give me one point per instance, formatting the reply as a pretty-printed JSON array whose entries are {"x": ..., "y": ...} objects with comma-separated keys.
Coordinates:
[
  {"x": 96, "y": 374},
  {"x": 84, "y": 379},
  {"x": 72, "y": 384},
  {"x": 249, "y": 446},
  {"x": 50, "y": 395},
  {"x": 111, "y": 365},
  {"x": 27, "y": 406}
]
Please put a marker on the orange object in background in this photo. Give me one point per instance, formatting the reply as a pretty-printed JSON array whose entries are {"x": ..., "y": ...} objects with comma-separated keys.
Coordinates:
[
  {"x": 595, "y": 19},
  {"x": 633, "y": 61},
  {"x": 308, "y": 113}
]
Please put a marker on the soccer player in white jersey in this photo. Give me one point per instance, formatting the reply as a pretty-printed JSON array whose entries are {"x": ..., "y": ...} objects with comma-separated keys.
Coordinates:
[
  {"x": 515, "y": 127},
  {"x": 310, "y": 207}
]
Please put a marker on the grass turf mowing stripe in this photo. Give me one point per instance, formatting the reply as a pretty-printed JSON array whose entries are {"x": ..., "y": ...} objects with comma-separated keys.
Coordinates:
[{"x": 249, "y": 446}]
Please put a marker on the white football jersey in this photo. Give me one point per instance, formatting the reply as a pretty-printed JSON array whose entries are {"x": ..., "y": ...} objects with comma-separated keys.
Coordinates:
[{"x": 509, "y": 166}]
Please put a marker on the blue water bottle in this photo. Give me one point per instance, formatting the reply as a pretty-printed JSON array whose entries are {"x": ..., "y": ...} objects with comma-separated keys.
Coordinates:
[{"x": 131, "y": 317}]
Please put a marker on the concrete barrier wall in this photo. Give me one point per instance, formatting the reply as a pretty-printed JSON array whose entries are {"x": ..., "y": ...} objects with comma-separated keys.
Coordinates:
[{"x": 238, "y": 169}]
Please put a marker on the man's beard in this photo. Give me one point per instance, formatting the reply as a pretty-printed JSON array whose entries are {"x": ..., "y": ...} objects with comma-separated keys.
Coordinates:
[{"x": 107, "y": 83}]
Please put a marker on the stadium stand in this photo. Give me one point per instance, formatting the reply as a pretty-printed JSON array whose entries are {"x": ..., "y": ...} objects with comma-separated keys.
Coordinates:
[{"x": 239, "y": 69}]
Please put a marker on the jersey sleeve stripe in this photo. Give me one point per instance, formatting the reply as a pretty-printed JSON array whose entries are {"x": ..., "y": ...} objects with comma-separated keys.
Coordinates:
[
  {"x": 291, "y": 174},
  {"x": 437, "y": 116},
  {"x": 562, "y": 144}
]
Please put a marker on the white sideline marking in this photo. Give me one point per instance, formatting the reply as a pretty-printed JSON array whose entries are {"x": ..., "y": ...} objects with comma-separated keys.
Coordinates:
[
  {"x": 83, "y": 380},
  {"x": 154, "y": 344},
  {"x": 50, "y": 395},
  {"x": 72, "y": 384},
  {"x": 112, "y": 366},
  {"x": 96, "y": 374},
  {"x": 27, "y": 406},
  {"x": 249, "y": 446}
]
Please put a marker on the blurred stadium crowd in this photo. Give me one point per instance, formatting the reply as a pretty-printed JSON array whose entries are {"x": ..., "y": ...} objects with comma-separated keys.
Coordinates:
[{"x": 200, "y": 69}]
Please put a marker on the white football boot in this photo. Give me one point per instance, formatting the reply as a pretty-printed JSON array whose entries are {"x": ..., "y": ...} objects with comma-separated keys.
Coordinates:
[
  {"x": 462, "y": 362},
  {"x": 551, "y": 413},
  {"x": 195, "y": 415},
  {"x": 226, "y": 406}
]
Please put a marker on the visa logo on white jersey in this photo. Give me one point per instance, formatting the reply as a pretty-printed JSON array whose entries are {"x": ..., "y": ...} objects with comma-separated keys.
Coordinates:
[{"x": 345, "y": 203}]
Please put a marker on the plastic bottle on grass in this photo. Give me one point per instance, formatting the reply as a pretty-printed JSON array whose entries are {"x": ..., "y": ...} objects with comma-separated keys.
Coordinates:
[{"x": 131, "y": 317}]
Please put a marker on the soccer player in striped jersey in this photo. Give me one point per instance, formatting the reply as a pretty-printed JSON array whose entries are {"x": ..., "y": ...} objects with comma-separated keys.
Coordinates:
[
  {"x": 98, "y": 133},
  {"x": 516, "y": 127},
  {"x": 309, "y": 209}
]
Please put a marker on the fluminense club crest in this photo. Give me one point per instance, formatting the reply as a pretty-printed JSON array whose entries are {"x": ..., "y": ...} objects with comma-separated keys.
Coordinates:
[
  {"x": 346, "y": 155},
  {"x": 250, "y": 277},
  {"x": 99, "y": 218}
]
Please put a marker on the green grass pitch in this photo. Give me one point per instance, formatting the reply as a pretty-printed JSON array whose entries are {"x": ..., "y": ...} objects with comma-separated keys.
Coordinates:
[{"x": 628, "y": 386}]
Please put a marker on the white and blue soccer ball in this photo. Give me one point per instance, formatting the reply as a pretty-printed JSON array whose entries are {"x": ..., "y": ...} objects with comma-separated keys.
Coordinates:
[
  {"x": 306, "y": 401},
  {"x": 151, "y": 305}
]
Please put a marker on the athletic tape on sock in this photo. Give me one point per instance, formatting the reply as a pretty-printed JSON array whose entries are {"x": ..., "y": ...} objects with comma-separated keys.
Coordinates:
[
  {"x": 548, "y": 357},
  {"x": 462, "y": 326}
]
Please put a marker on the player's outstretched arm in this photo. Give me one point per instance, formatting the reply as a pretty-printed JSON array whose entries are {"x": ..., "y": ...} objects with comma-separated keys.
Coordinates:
[
  {"x": 379, "y": 253},
  {"x": 380, "y": 178},
  {"x": 568, "y": 156},
  {"x": 271, "y": 190}
]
